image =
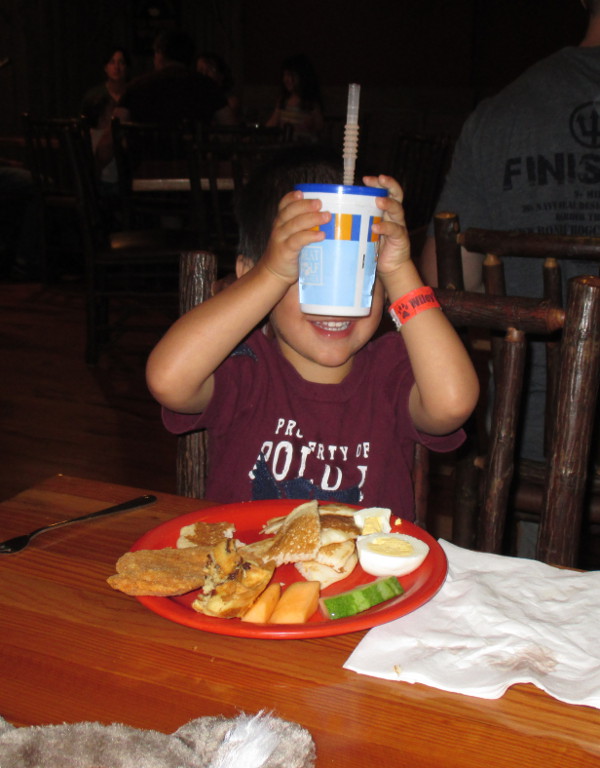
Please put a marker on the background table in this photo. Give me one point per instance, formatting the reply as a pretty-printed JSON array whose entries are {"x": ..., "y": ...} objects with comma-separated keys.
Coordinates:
[
  {"x": 168, "y": 184},
  {"x": 72, "y": 649}
]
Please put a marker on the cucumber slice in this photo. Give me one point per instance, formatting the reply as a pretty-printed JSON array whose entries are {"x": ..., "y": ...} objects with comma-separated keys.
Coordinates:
[{"x": 361, "y": 598}]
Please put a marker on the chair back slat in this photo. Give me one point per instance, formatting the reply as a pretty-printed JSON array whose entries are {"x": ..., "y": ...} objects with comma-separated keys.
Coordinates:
[
  {"x": 501, "y": 312},
  {"x": 533, "y": 245},
  {"x": 500, "y": 460}
]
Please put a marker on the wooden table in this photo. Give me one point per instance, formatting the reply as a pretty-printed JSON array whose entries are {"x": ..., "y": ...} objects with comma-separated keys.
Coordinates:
[{"x": 72, "y": 649}]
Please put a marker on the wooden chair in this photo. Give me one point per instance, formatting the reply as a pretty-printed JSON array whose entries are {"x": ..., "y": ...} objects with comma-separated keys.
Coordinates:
[
  {"x": 569, "y": 422},
  {"x": 197, "y": 274},
  {"x": 52, "y": 175},
  {"x": 137, "y": 269},
  {"x": 499, "y": 245},
  {"x": 159, "y": 152}
]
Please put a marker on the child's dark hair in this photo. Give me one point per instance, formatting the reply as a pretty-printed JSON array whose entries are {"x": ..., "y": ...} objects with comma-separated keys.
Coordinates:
[{"x": 258, "y": 201}]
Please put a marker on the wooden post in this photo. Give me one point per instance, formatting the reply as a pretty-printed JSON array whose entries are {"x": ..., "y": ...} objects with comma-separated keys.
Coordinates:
[
  {"x": 197, "y": 274},
  {"x": 449, "y": 258},
  {"x": 500, "y": 461},
  {"x": 568, "y": 465},
  {"x": 493, "y": 275}
]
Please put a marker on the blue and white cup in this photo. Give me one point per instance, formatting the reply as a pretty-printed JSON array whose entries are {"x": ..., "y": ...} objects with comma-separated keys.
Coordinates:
[{"x": 337, "y": 275}]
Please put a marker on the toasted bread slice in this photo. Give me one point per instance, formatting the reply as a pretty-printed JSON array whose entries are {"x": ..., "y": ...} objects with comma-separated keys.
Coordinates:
[
  {"x": 299, "y": 537},
  {"x": 273, "y": 525},
  {"x": 325, "y": 574},
  {"x": 335, "y": 508},
  {"x": 258, "y": 551},
  {"x": 202, "y": 534},
  {"x": 335, "y": 555},
  {"x": 337, "y": 528}
]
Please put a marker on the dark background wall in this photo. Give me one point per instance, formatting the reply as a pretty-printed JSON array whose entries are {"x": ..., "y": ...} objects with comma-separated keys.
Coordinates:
[
  {"x": 429, "y": 43},
  {"x": 422, "y": 56}
]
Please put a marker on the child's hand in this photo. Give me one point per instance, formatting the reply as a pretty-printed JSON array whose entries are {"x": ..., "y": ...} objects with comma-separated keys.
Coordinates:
[
  {"x": 293, "y": 228},
  {"x": 394, "y": 245}
]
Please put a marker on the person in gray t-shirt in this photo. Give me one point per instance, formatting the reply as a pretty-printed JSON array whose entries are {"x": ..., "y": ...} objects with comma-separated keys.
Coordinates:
[{"x": 529, "y": 159}]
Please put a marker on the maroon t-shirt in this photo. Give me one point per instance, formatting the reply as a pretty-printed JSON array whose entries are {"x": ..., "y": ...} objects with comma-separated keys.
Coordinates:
[{"x": 274, "y": 435}]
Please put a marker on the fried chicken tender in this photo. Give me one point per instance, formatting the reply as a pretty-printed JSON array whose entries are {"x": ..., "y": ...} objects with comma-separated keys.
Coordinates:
[{"x": 160, "y": 572}]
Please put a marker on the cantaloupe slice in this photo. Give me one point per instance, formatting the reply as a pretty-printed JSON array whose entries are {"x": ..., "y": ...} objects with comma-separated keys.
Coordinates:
[
  {"x": 297, "y": 603},
  {"x": 261, "y": 609}
]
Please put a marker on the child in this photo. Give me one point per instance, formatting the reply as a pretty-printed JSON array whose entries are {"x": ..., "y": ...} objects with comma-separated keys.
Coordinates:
[{"x": 305, "y": 406}]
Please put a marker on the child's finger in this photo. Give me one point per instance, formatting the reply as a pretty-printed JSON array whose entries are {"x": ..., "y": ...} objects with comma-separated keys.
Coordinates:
[
  {"x": 298, "y": 240},
  {"x": 292, "y": 206},
  {"x": 392, "y": 209},
  {"x": 302, "y": 220},
  {"x": 390, "y": 229},
  {"x": 385, "y": 182}
]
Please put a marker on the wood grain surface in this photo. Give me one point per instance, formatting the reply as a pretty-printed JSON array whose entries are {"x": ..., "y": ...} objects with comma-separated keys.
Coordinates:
[{"x": 72, "y": 649}]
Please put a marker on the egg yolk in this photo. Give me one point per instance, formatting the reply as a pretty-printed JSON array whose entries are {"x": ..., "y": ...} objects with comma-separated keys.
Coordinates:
[
  {"x": 372, "y": 525},
  {"x": 391, "y": 546}
]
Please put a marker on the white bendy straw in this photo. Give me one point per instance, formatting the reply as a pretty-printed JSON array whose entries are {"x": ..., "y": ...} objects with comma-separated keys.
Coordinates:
[{"x": 351, "y": 133}]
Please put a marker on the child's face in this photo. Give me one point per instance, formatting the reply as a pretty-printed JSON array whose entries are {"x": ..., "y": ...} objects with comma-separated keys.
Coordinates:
[{"x": 320, "y": 348}]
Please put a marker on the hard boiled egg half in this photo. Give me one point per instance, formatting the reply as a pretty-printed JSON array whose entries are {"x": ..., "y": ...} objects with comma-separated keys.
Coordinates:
[
  {"x": 390, "y": 554},
  {"x": 373, "y": 520}
]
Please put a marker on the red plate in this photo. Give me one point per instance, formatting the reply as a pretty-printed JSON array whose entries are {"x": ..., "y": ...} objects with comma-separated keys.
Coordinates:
[{"x": 249, "y": 517}]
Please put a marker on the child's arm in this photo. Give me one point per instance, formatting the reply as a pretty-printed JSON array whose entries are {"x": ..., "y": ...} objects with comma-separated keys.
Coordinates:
[
  {"x": 180, "y": 367},
  {"x": 446, "y": 385}
]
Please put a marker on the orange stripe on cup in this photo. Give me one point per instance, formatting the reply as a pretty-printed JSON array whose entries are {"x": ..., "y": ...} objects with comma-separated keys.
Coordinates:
[
  {"x": 373, "y": 235},
  {"x": 343, "y": 226}
]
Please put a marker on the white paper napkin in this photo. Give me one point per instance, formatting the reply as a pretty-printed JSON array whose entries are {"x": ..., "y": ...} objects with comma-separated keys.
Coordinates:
[{"x": 495, "y": 622}]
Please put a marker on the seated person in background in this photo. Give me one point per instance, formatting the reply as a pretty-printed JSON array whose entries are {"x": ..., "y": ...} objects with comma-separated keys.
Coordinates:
[
  {"x": 525, "y": 160},
  {"x": 213, "y": 66},
  {"x": 171, "y": 93},
  {"x": 299, "y": 104},
  {"x": 100, "y": 102},
  {"x": 303, "y": 406}
]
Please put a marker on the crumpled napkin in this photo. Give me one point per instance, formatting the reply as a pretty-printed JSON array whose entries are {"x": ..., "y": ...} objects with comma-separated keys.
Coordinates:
[{"x": 495, "y": 622}]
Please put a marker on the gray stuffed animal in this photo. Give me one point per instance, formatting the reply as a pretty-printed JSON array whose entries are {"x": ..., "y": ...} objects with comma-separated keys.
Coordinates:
[{"x": 259, "y": 741}]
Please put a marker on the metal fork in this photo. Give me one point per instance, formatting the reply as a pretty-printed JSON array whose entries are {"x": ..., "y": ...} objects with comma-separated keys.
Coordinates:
[{"x": 11, "y": 546}]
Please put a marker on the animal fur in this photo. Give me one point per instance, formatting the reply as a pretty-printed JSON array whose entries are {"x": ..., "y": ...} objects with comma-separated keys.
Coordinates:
[{"x": 259, "y": 741}]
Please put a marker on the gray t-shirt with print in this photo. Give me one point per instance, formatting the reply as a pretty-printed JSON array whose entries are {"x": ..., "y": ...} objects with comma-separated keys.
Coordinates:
[{"x": 529, "y": 159}]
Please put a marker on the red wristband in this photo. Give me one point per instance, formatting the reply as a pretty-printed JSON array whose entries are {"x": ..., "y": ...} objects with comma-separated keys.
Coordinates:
[{"x": 413, "y": 302}]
